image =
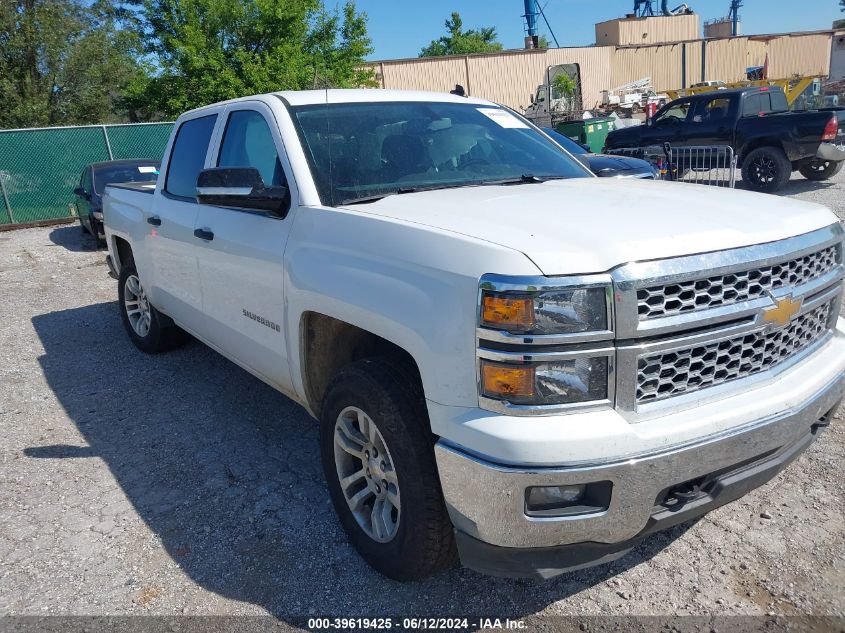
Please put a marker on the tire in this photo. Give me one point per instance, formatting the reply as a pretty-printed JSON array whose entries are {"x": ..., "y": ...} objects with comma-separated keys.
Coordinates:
[
  {"x": 820, "y": 169},
  {"x": 414, "y": 539},
  {"x": 636, "y": 108},
  {"x": 160, "y": 333},
  {"x": 766, "y": 169}
]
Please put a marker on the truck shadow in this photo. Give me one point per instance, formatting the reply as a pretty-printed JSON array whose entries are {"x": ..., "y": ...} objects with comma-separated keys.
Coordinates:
[
  {"x": 797, "y": 185},
  {"x": 73, "y": 239},
  {"x": 225, "y": 471}
]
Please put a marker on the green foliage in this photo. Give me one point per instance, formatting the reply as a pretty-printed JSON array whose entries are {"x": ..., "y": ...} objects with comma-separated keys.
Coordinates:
[
  {"x": 97, "y": 61},
  {"x": 543, "y": 42},
  {"x": 65, "y": 61},
  {"x": 564, "y": 86},
  {"x": 460, "y": 42},
  {"x": 211, "y": 50}
]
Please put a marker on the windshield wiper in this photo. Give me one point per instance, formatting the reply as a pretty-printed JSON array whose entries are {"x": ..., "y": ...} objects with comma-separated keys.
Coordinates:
[
  {"x": 403, "y": 190},
  {"x": 524, "y": 179}
]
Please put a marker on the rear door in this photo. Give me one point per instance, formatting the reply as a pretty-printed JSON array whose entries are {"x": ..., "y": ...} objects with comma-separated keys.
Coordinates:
[
  {"x": 241, "y": 266},
  {"x": 175, "y": 288}
]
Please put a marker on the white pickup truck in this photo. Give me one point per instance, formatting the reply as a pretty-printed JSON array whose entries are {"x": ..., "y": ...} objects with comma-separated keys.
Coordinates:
[{"x": 510, "y": 359}]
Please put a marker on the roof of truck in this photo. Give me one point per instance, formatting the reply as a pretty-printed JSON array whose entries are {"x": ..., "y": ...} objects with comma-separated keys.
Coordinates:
[
  {"x": 352, "y": 95},
  {"x": 309, "y": 97}
]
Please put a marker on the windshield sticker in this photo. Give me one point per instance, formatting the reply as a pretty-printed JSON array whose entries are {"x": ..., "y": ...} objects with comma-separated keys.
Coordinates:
[
  {"x": 502, "y": 117},
  {"x": 147, "y": 169}
]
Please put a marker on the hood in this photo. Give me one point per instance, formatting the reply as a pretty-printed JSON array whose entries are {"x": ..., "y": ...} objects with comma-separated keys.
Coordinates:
[
  {"x": 624, "y": 137},
  {"x": 589, "y": 225},
  {"x": 618, "y": 165}
]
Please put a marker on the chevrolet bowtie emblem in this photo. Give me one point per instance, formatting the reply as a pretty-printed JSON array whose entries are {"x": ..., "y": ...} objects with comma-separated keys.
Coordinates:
[{"x": 782, "y": 312}]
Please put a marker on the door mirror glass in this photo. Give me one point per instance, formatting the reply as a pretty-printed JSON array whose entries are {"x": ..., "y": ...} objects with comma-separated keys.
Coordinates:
[{"x": 241, "y": 188}]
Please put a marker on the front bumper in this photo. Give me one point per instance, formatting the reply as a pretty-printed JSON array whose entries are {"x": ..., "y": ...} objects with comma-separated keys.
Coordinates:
[{"x": 486, "y": 501}]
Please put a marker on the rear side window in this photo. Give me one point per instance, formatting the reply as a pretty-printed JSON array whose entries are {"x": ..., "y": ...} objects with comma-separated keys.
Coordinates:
[
  {"x": 778, "y": 101},
  {"x": 764, "y": 102},
  {"x": 188, "y": 156},
  {"x": 755, "y": 104}
]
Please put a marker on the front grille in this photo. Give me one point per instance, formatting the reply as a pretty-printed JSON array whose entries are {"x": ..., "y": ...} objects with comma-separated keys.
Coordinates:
[
  {"x": 666, "y": 374},
  {"x": 718, "y": 290}
]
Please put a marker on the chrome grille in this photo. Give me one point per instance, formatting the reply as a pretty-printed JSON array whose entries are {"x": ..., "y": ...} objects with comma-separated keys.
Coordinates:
[
  {"x": 667, "y": 374},
  {"x": 735, "y": 287}
]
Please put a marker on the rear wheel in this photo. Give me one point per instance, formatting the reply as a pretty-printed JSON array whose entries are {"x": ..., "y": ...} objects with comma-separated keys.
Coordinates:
[
  {"x": 378, "y": 460},
  {"x": 150, "y": 330},
  {"x": 820, "y": 169},
  {"x": 766, "y": 169}
]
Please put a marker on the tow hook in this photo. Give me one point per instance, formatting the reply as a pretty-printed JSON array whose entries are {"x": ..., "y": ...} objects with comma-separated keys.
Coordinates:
[{"x": 683, "y": 494}]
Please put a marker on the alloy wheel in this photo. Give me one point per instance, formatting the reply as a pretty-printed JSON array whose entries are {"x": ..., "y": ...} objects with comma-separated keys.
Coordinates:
[
  {"x": 137, "y": 306},
  {"x": 367, "y": 475}
]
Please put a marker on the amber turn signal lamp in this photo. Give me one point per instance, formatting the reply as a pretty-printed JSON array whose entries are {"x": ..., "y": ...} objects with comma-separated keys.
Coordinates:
[
  {"x": 507, "y": 381},
  {"x": 512, "y": 313}
]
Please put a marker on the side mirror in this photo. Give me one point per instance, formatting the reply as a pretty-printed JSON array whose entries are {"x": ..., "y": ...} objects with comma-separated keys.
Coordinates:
[
  {"x": 79, "y": 191},
  {"x": 241, "y": 188},
  {"x": 586, "y": 147},
  {"x": 532, "y": 99}
]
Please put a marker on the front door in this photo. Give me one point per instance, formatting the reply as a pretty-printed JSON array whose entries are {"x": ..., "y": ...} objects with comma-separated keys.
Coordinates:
[{"x": 241, "y": 257}]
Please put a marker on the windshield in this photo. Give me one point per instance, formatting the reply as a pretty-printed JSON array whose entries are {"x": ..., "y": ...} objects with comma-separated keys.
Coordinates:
[
  {"x": 366, "y": 150},
  {"x": 142, "y": 172},
  {"x": 567, "y": 143}
]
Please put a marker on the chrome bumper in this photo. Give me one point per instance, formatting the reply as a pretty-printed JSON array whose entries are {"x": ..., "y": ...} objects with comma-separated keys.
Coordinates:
[
  {"x": 486, "y": 501},
  {"x": 831, "y": 151}
]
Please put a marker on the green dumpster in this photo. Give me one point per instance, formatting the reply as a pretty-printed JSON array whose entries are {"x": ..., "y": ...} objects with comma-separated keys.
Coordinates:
[{"x": 591, "y": 132}]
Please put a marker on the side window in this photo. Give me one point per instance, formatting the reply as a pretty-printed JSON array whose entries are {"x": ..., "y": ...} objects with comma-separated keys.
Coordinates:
[
  {"x": 87, "y": 182},
  {"x": 713, "y": 111},
  {"x": 247, "y": 142},
  {"x": 673, "y": 113},
  {"x": 779, "y": 103},
  {"x": 755, "y": 104},
  {"x": 188, "y": 156}
]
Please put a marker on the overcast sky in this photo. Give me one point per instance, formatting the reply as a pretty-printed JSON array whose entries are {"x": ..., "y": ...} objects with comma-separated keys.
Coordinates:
[{"x": 400, "y": 28}]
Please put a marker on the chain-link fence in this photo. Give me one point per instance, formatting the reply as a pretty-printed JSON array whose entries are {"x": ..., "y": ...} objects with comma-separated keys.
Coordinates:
[{"x": 40, "y": 167}]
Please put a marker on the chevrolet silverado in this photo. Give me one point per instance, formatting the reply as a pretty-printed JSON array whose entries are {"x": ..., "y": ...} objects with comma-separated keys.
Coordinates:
[{"x": 506, "y": 363}]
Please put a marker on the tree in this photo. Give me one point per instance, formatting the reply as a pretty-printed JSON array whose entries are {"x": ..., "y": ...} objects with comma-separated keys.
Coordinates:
[
  {"x": 460, "y": 42},
  {"x": 210, "y": 50},
  {"x": 65, "y": 61}
]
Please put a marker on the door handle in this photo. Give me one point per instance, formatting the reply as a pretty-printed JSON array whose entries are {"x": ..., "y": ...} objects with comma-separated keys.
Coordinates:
[
  {"x": 154, "y": 220},
  {"x": 204, "y": 234}
]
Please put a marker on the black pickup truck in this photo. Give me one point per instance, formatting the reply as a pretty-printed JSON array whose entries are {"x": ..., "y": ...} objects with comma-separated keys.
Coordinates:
[{"x": 769, "y": 141}]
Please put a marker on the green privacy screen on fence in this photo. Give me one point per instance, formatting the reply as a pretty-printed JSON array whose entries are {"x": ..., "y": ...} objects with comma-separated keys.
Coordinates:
[{"x": 40, "y": 167}]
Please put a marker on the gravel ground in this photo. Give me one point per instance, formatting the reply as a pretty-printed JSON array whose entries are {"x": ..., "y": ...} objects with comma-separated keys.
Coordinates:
[{"x": 179, "y": 484}]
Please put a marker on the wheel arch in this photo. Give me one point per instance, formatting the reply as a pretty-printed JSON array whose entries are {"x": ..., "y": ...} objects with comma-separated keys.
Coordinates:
[
  {"x": 750, "y": 146},
  {"x": 327, "y": 344},
  {"x": 121, "y": 253}
]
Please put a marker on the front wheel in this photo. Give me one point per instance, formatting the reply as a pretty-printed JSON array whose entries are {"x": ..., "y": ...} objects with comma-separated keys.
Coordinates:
[
  {"x": 377, "y": 455},
  {"x": 766, "y": 169},
  {"x": 820, "y": 169},
  {"x": 150, "y": 330}
]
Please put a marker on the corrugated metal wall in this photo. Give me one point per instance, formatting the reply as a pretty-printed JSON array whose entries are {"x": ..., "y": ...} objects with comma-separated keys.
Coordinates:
[
  {"x": 655, "y": 30},
  {"x": 799, "y": 54},
  {"x": 511, "y": 77}
]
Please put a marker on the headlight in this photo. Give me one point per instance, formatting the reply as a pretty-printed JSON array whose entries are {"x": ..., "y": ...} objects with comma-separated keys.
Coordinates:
[
  {"x": 526, "y": 309},
  {"x": 525, "y": 328},
  {"x": 555, "y": 382}
]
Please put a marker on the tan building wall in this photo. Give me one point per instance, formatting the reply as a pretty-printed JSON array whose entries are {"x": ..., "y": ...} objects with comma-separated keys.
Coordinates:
[
  {"x": 511, "y": 77},
  {"x": 799, "y": 54},
  {"x": 723, "y": 28},
  {"x": 654, "y": 30}
]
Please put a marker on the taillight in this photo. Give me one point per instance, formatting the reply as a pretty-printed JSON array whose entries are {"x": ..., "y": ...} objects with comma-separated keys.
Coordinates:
[{"x": 830, "y": 129}]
